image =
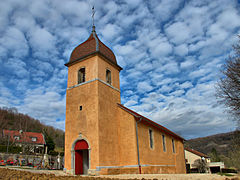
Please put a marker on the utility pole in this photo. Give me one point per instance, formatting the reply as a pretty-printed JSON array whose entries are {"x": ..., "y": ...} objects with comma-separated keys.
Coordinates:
[{"x": 8, "y": 144}]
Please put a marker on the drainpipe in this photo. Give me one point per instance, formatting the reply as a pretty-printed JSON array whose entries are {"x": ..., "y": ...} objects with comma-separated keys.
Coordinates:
[{"x": 139, "y": 164}]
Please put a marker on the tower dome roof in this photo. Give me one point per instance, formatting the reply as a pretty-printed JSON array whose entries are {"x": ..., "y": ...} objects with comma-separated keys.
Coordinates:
[{"x": 91, "y": 46}]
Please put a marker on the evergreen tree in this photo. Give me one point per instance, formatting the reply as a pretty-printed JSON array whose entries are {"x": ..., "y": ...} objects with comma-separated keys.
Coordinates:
[
  {"x": 49, "y": 142},
  {"x": 214, "y": 156}
]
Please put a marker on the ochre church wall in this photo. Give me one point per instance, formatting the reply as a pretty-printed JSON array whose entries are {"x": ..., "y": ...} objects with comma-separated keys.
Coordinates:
[
  {"x": 152, "y": 160},
  {"x": 156, "y": 156},
  {"x": 127, "y": 139},
  {"x": 108, "y": 123}
]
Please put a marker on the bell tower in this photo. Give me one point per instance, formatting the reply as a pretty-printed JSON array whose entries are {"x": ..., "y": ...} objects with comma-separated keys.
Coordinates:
[{"x": 93, "y": 91}]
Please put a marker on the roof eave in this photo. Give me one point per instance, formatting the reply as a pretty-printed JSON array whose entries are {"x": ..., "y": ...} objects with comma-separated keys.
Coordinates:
[
  {"x": 92, "y": 54},
  {"x": 196, "y": 152}
]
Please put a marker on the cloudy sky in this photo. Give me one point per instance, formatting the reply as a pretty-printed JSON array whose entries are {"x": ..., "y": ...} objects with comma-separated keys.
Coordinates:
[{"x": 171, "y": 52}]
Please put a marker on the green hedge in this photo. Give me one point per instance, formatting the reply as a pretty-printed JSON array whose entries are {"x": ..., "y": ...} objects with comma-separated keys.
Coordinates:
[
  {"x": 11, "y": 149},
  {"x": 228, "y": 170}
]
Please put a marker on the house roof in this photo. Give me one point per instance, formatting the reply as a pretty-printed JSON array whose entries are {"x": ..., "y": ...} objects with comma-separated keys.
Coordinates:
[
  {"x": 150, "y": 122},
  {"x": 91, "y": 46},
  {"x": 25, "y": 137},
  {"x": 196, "y": 152}
]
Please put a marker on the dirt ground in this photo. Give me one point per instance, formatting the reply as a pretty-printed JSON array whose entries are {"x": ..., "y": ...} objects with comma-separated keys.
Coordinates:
[
  {"x": 27, "y": 174},
  {"x": 175, "y": 177},
  {"x": 30, "y": 174}
]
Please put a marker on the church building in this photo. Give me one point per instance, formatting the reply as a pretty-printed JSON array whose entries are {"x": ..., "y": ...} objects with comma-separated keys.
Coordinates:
[{"x": 101, "y": 135}]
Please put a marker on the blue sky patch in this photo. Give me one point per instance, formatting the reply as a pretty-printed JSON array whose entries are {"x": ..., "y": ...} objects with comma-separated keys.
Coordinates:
[{"x": 171, "y": 53}]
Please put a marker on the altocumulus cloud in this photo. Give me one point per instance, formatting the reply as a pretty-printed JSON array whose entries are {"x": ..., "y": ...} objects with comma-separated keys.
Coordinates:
[{"x": 171, "y": 52}]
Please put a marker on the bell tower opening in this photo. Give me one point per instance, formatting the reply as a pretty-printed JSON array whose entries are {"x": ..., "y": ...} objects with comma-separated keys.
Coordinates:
[
  {"x": 81, "y": 75},
  {"x": 108, "y": 76}
]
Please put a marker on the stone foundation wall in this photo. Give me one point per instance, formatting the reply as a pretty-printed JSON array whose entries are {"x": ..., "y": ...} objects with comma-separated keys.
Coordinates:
[
  {"x": 36, "y": 159},
  {"x": 159, "y": 170},
  {"x": 135, "y": 170}
]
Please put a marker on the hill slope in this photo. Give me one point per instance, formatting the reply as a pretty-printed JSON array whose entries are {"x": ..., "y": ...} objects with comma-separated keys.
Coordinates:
[
  {"x": 12, "y": 120},
  {"x": 220, "y": 147},
  {"x": 221, "y": 142}
]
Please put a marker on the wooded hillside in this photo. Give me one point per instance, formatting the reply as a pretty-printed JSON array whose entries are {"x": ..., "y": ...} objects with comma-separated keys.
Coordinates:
[
  {"x": 12, "y": 120},
  {"x": 220, "y": 147},
  {"x": 221, "y": 142}
]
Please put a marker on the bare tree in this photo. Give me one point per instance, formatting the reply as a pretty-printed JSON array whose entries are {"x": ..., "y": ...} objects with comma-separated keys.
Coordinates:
[
  {"x": 228, "y": 91},
  {"x": 228, "y": 88},
  {"x": 201, "y": 165}
]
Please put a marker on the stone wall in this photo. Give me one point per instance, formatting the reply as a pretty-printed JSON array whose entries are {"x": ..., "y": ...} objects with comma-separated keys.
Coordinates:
[{"x": 35, "y": 160}]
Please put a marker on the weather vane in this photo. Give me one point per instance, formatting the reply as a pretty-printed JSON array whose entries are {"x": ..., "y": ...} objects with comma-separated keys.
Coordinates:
[{"x": 93, "y": 12}]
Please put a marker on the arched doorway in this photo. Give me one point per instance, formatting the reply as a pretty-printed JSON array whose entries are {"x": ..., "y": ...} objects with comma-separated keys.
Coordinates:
[{"x": 81, "y": 157}]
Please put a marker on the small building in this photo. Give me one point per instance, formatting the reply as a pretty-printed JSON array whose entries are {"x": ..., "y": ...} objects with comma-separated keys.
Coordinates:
[
  {"x": 31, "y": 141},
  {"x": 101, "y": 135},
  {"x": 192, "y": 155},
  {"x": 216, "y": 167}
]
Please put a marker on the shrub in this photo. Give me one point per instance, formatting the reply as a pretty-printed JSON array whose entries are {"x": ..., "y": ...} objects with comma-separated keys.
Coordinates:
[
  {"x": 11, "y": 149},
  {"x": 228, "y": 170}
]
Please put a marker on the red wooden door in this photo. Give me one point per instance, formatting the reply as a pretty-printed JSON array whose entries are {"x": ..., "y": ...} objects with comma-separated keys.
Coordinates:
[
  {"x": 79, "y": 147},
  {"x": 78, "y": 162}
]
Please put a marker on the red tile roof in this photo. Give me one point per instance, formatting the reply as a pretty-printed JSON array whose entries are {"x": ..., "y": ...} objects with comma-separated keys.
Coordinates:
[
  {"x": 196, "y": 152},
  {"x": 25, "y": 137},
  {"x": 150, "y": 122},
  {"x": 92, "y": 46}
]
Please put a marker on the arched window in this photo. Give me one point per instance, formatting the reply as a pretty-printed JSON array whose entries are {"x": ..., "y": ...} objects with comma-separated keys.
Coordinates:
[
  {"x": 81, "y": 75},
  {"x": 108, "y": 76}
]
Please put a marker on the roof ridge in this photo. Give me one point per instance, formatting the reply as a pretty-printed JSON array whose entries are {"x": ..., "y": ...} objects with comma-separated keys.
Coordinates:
[
  {"x": 149, "y": 121},
  {"x": 95, "y": 37}
]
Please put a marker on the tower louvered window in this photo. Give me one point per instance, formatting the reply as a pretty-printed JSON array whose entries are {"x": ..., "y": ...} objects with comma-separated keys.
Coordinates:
[
  {"x": 108, "y": 76},
  {"x": 81, "y": 75}
]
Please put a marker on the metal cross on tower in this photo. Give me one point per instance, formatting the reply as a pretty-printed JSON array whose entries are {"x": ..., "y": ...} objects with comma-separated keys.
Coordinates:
[{"x": 93, "y": 12}]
